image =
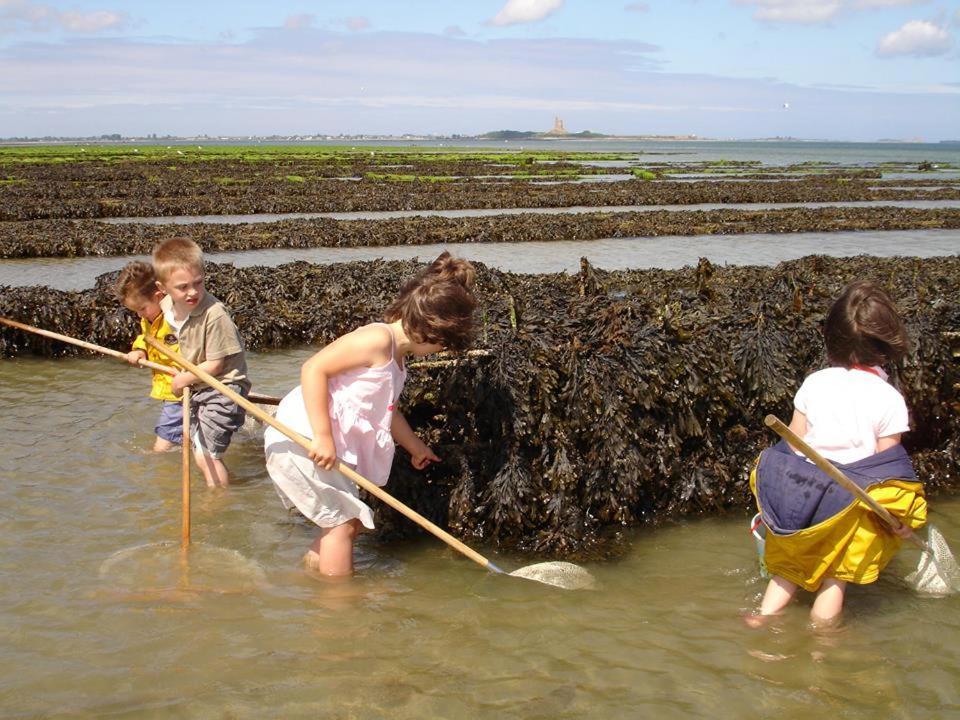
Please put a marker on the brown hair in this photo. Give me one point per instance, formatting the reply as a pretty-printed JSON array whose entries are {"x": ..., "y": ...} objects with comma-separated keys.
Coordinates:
[
  {"x": 863, "y": 328},
  {"x": 175, "y": 253},
  {"x": 137, "y": 279},
  {"x": 436, "y": 305}
]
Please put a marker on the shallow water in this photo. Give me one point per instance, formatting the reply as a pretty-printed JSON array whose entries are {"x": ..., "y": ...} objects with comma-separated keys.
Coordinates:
[
  {"x": 666, "y": 252},
  {"x": 420, "y": 632},
  {"x": 487, "y": 212}
]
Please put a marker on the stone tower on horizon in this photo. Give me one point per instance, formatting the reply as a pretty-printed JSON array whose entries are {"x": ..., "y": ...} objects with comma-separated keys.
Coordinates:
[{"x": 558, "y": 128}]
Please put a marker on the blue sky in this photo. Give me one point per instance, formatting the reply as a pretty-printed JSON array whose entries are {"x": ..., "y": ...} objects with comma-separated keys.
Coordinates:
[{"x": 836, "y": 69}]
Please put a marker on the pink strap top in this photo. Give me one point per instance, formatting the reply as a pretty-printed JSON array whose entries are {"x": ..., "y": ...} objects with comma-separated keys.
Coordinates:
[{"x": 361, "y": 407}]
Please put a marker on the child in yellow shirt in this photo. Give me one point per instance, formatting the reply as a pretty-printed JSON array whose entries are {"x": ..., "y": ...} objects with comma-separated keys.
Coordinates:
[{"x": 136, "y": 287}]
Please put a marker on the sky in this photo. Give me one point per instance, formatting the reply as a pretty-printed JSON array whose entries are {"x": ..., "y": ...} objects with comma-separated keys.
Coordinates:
[{"x": 858, "y": 70}]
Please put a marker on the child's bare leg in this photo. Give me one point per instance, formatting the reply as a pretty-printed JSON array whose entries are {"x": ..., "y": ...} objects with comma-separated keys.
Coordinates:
[
  {"x": 332, "y": 552},
  {"x": 161, "y": 445},
  {"x": 829, "y": 602},
  {"x": 214, "y": 471},
  {"x": 778, "y": 595}
]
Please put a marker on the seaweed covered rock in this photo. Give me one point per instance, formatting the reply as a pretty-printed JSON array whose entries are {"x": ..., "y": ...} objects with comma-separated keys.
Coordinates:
[
  {"x": 72, "y": 191},
  {"x": 77, "y": 238},
  {"x": 607, "y": 399}
]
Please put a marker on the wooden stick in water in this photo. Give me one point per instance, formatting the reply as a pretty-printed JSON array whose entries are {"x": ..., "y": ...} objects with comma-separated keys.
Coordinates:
[
  {"x": 185, "y": 472},
  {"x": 255, "y": 397}
]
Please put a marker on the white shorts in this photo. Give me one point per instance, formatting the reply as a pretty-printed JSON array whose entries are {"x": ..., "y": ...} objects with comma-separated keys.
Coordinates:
[{"x": 326, "y": 497}]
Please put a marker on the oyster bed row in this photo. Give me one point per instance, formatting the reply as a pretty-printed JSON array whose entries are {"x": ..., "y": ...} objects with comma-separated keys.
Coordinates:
[
  {"x": 203, "y": 194},
  {"x": 608, "y": 399},
  {"x": 77, "y": 238}
]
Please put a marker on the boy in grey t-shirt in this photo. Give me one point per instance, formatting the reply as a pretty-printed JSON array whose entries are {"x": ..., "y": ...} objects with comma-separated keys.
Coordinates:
[{"x": 209, "y": 339}]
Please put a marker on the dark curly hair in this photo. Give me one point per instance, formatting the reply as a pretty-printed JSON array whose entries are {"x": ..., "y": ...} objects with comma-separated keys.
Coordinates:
[
  {"x": 437, "y": 304},
  {"x": 135, "y": 279}
]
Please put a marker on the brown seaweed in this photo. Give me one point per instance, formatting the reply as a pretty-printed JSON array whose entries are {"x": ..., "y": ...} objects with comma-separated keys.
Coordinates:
[
  {"x": 77, "y": 238},
  {"x": 156, "y": 188},
  {"x": 610, "y": 399}
]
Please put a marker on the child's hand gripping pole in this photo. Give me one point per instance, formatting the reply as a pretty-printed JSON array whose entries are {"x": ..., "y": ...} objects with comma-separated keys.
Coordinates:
[
  {"x": 262, "y": 399},
  {"x": 85, "y": 345},
  {"x": 774, "y": 423},
  {"x": 340, "y": 466}
]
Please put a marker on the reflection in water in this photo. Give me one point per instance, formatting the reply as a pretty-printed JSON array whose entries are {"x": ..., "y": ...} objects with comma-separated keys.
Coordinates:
[
  {"x": 423, "y": 632},
  {"x": 667, "y": 252}
]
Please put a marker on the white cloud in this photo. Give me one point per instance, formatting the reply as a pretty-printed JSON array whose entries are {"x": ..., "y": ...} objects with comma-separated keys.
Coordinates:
[
  {"x": 23, "y": 15},
  {"x": 356, "y": 23},
  {"x": 918, "y": 38},
  {"x": 524, "y": 11},
  {"x": 299, "y": 22},
  {"x": 91, "y": 22},
  {"x": 637, "y": 7},
  {"x": 19, "y": 14},
  {"x": 812, "y": 12},
  {"x": 887, "y": 3},
  {"x": 804, "y": 12}
]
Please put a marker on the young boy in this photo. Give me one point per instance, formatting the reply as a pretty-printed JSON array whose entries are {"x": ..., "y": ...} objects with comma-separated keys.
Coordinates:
[
  {"x": 208, "y": 338},
  {"x": 136, "y": 287}
]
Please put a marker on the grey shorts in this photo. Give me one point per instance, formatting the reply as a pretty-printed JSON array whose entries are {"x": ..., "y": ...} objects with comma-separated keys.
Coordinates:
[
  {"x": 214, "y": 418},
  {"x": 170, "y": 423}
]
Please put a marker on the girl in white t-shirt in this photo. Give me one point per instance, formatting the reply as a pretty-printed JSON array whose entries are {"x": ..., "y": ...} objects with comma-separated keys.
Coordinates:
[{"x": 849, "y": 411}]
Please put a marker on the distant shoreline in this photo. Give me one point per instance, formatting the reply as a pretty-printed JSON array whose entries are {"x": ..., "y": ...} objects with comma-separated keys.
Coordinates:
[{"x": 223, "y": 140}]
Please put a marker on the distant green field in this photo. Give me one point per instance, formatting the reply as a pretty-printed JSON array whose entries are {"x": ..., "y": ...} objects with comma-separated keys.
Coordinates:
[{"x": 259, "y": 153}]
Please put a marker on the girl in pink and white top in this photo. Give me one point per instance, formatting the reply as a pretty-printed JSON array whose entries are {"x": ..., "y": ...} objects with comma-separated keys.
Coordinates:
[{"x": 346, "y": 405}]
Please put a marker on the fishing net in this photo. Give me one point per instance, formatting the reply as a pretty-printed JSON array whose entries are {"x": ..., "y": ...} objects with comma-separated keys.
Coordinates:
[
  {"x": 937, "y": 572},
  {"x": 165, "y": 569},
  {"x": 559, "y": 574}
]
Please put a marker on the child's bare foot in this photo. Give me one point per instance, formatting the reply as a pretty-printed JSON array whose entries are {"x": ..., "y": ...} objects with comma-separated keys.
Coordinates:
[{"x": 755, "y": 620}]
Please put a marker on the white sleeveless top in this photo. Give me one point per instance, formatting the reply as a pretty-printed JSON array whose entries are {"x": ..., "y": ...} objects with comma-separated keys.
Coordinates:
[{"x": 361, "y": 406}]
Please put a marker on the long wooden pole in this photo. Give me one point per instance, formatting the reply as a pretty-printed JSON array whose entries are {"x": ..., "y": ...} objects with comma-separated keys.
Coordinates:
[
  {"x": 255, "y": 397},
  {"x": 185, "y": 472},
  {"x": 341, "y": 466},
  {"x": 775, "y": 424}
]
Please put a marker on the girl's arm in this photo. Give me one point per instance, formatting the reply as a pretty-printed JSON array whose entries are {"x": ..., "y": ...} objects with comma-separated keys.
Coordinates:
[
  {"x": 364, "y": 347},
  {"x": 798, "y": 423},
  {"x": 420, "y": 454},
  {"x": 885, "y": 443}
]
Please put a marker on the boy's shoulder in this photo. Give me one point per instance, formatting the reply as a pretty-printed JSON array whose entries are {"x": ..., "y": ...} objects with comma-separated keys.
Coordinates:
[
  {"x": 210, "y": 305},
  {"x": 214, "y": 315},
  {"x": 210, "y": 308},
  {"x": 215, "y": 311}
]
